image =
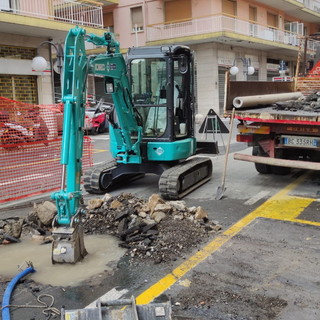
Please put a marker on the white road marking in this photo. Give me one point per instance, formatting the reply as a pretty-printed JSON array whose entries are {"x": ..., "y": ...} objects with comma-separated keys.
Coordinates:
[
  {"x": 256, "y": 198},
  {"x": 97, "y": 163},
  {"x": 111, "y": 295},
  {"x": 100, "y": 138}
]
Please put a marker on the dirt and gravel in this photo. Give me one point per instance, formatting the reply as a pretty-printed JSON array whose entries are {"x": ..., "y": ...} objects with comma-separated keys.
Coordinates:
[
  {"x": 214, "y": 296},
  {"x": 151, "y": 229},
  {"x": 256, "y": 277}
]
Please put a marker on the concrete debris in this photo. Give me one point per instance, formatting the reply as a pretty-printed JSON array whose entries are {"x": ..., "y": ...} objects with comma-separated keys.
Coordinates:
[
  {"x": 10, "y": 230},
  {"x": 155, "y": 229},
  {"x": 201, "y": 214},
  {"x": 94, "y": 204},
  {"x": 46, "y": 212},
  {"x": 153, "y": 201},
  {"x": 308, "y": 103},
  {"x": 152, "y": 229},
  {"x": 106, "y": 197},
  {"x": 157, "y": 216}
]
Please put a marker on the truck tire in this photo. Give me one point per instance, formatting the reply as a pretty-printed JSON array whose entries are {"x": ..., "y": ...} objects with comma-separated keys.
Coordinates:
[
  {"x": 278, "y": 169},
  {"x": 260, "y": 167}
]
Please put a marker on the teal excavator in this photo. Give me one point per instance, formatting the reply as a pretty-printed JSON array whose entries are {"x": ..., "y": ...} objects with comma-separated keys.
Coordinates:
[{"x": 151, "y": 128}]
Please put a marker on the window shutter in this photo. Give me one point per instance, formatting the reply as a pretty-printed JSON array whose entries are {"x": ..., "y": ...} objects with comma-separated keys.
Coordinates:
[
  {"x": 108, "y": 19},
  {"x": 229, "y": 7},
  {"x": 178, "y": 10},
  {"x": 137, "y": 18},
  {"x": 253, "y": 14},
  {"x": 272, "y": 20}
]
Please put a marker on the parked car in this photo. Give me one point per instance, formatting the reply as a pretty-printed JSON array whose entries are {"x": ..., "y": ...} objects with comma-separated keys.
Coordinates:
[{"x": 96, "y": 120}]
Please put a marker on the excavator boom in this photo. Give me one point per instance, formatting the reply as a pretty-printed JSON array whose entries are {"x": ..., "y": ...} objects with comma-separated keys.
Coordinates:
[{"x": 68, "y": 244}]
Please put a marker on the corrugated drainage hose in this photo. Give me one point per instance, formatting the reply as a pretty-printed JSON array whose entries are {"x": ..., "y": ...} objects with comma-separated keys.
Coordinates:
[{"x": 9, "y": 290}]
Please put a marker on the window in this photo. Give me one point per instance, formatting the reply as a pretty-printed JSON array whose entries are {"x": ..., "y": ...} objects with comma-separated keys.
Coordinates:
[
  {"x": 137, "y": 19},
  {"x": 177, "y": 10},
  {"x": 252, "y": 14},
  {"x": 229, "y": 7},
  {"x": 295, "y": 27},
  {"x": 148, "y": 79},
  {"x": 108, "y": 21},
  {"x": 272, "y": 20},
  {"x": 253, "y": 21}
]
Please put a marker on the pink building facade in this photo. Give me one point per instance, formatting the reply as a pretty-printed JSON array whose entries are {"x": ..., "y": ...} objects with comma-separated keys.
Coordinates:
[{"x": 221, "y": 33}]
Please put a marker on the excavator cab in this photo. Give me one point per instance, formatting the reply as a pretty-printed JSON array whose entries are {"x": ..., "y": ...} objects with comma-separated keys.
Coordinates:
[{"x": 162, "y": 91}]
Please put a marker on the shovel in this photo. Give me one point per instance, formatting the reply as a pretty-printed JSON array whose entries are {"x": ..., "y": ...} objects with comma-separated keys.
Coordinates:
[{"x": 221, "y": 189}]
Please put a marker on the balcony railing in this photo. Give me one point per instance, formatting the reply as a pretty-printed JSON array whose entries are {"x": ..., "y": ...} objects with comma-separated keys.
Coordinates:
[
  {"x": 313, "y": 5},
  {"x": 59, "y": 10},
  {"x": 222, "y": 23}
]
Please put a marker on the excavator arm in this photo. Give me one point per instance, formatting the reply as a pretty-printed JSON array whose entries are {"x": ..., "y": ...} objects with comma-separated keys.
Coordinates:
[
  {"x": 127, "y": 131},
  {"x": 68, "y": 244},
  {"x": 73, "y": 91}
]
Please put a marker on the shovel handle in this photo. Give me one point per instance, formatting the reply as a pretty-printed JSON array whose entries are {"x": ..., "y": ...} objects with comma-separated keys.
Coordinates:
[{"x": 228, "y": 148}]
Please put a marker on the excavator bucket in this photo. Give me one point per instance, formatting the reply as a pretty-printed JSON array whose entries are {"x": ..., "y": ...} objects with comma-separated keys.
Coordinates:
[
  {"x": 123, "y": 309},
  {"x": 68, "y": 245}
]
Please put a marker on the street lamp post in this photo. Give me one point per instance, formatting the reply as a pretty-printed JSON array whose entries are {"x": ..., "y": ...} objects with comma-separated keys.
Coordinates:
[
  {"x": 248, "y": 69},
  {"x": 39, "y": 63}
]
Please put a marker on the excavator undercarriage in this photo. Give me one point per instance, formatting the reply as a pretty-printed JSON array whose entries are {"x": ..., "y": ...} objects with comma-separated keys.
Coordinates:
[{"x": 176, "y": 180}]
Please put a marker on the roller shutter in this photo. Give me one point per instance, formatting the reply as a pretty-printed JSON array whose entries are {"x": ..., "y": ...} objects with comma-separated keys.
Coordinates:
[{"x": 177, "y": 10}]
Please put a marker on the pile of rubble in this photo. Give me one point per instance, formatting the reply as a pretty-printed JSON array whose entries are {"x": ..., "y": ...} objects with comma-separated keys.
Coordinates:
[
  {"x": 310, "y": 103},
  {"x": 10, "y": 230},
  {"x": 150, "y": 229},
  {"x": 37, "y": 225},
  {"x": 156, "y": 229}
]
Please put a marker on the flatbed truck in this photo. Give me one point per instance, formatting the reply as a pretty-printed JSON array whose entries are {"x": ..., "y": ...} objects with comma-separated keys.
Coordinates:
[{"x": 281, "y": 138}]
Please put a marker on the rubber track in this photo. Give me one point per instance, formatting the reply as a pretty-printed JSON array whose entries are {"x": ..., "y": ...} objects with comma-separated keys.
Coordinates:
[
  {"x": 169, "y": 181},
  {"x": 92, "y": 177}
]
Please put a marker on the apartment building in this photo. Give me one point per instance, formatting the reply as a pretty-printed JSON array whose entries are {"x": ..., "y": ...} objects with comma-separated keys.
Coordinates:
[
  {"x": 260, "y": 33},
  {"x": 222, "y": 33},
  {"x": 37, "y": 27}
]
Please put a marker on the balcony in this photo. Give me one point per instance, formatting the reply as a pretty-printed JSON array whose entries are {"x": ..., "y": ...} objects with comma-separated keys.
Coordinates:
[
  {"x": 307, "y": 10},
  {"x": 226, "y": 29},
  {"x": 56, "y": 10},
  {"x": 313, "y": 5}
]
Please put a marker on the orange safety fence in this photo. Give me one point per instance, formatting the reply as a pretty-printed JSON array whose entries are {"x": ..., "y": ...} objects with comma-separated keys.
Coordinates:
[{"x": 30, "y": 147}]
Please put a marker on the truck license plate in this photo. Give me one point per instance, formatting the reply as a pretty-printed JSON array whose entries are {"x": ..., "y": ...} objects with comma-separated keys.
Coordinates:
[{"x": 300, "y": 141}]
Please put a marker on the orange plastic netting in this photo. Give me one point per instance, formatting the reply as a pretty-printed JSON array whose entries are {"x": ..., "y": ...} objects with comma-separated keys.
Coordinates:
[{"x": 30, "y": 146}]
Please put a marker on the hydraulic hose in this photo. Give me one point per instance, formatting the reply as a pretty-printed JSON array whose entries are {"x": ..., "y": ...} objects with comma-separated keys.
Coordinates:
[{"x": 7, "y": 294}]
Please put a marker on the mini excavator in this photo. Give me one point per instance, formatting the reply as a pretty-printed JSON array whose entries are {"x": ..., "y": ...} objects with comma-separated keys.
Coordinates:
[{"x": 151, "y": 128}]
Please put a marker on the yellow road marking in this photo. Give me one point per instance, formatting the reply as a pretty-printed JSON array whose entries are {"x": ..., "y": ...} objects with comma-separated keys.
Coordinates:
[
  {"x": 311, "y": 223},
  {"x": 99, "y": 150},
  {"x": 281, "y": 206}
]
